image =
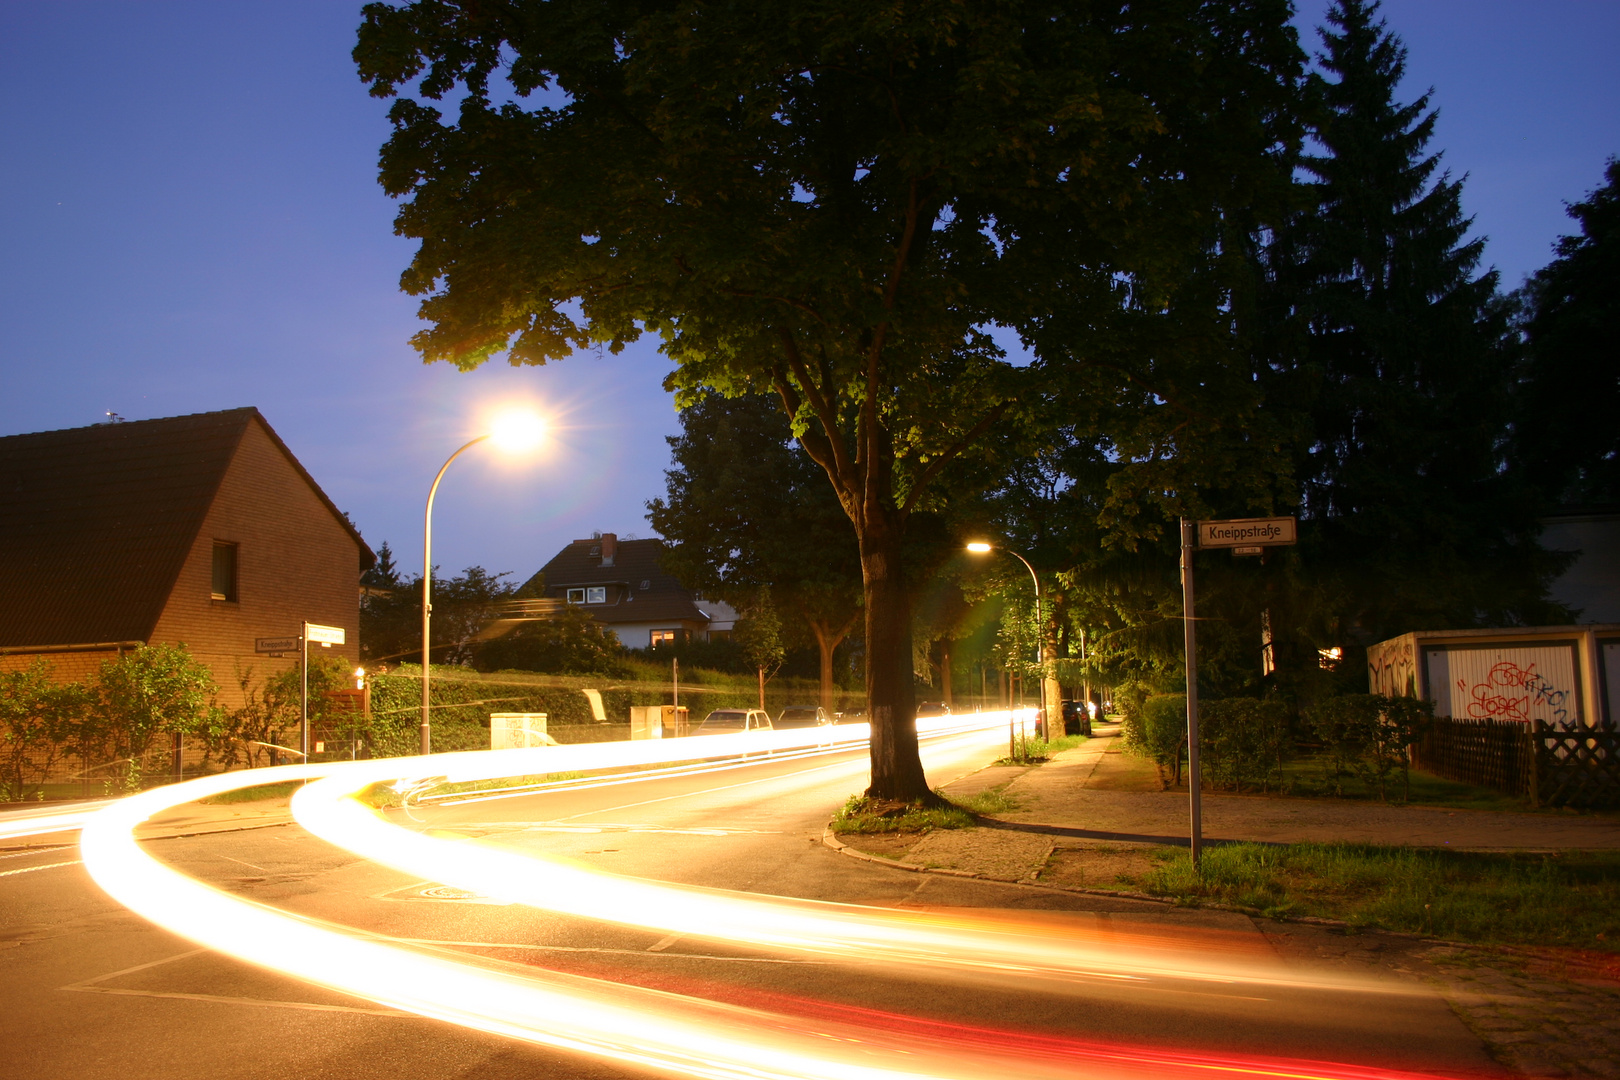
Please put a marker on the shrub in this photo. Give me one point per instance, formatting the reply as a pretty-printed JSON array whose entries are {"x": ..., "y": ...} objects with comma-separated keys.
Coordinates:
[
  {"x": 1164, "y": 729},
  {"x": 1366, "y": 736},
  {"x": 1242, "y": 741}
]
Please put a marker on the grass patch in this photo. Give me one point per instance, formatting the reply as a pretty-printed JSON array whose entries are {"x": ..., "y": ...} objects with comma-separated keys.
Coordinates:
[
  {"x": 1305, "y": 777},
  {"x": 861, "y": 815},
  {"x": 991, "y": 801},
  {"x": 1034, "y": 750},
  {"x": 1567, "y": 898},
  {"x": 254, "y": 794}
]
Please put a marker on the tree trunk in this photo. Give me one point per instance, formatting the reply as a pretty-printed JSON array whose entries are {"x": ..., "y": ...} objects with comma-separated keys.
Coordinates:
[
  {"x": 891, "y": 702},
  {"x": 827, "y": 641}
]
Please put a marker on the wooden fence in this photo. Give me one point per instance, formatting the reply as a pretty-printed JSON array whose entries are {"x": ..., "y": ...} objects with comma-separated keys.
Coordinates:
[{"x": 1577, "y": 768}]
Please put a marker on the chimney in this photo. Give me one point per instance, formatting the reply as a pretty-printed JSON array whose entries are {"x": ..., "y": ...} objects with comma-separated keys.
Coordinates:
[{"x": 610, "y": 547}]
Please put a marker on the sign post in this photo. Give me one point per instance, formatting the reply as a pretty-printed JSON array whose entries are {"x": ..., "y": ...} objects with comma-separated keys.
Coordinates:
[
  {"x": 326, "y": 637},
  {"x": 1245, "y": 536}
]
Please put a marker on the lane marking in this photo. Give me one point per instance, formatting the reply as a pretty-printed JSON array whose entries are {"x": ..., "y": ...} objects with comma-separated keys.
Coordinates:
[
  {"x": 42, "y": 849},
  {"x": 663, "y": 943},
  {"x": 31, "y": 869},
  {"x": 265, "y": 1003}
]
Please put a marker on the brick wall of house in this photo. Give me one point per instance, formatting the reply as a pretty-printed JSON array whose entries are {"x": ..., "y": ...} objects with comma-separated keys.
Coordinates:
[
  {"x": 80, "y": 666},
  {"x": 295, "y": 562}
]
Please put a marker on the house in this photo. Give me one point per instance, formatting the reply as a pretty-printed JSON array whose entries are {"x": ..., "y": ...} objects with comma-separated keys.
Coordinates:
[
  {"x": 203, "y": 530},
  {"x": 622, "y": 584},
  {"x": 1591, "y": 584}
]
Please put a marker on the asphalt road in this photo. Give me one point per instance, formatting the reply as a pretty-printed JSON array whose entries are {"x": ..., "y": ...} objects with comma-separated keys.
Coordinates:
[{"x": 88, "y": 990}]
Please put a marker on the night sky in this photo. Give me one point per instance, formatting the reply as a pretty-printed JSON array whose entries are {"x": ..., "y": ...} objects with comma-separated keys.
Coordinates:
[{"x": 191, "y": 221}]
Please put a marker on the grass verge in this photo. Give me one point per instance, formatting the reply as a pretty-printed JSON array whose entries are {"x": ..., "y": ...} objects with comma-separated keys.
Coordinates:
[
  {"x": 1033, "y": 751},
  {"x": 861, "y": 815},
  {"x": 254, "y": 794},
  {"x": 1566, "y": 898}
]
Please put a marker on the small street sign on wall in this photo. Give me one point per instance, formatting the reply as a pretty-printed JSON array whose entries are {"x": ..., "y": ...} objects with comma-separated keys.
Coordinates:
[{"x": 275, "y": 646}]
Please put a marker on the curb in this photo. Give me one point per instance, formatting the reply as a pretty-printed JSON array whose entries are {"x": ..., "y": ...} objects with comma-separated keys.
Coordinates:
[{"x": 832, "y": 842}]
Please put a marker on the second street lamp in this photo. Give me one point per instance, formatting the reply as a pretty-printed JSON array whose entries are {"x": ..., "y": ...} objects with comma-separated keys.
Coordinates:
[
  {"x": 515, "y": 432},
  {"x": 980, "y": 547}
]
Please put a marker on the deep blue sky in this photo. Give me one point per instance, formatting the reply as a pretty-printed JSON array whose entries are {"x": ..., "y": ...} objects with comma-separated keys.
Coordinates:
[{"x": 191, "y": 221}]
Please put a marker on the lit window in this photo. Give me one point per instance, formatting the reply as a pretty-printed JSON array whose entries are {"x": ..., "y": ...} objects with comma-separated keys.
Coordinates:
[
  {"x": 576, "y": 596},
  {"x": 1329, "y": 659},
  {"x": 224, "y": 571},
  {"x": 596, "y": 595},
  {"x": 662, "y": 637}
]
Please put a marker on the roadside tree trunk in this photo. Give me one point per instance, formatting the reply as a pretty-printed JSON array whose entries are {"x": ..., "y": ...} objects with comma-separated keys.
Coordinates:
[{"x": 891, "y": 703}]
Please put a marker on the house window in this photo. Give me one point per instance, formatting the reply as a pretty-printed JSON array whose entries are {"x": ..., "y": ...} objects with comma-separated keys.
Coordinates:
[
  {"x": 662, "y": 637},
  {"x": 224, "y": 571},
  {"x": 596, "y": 595},
  {"x": 576, "y": 596}
]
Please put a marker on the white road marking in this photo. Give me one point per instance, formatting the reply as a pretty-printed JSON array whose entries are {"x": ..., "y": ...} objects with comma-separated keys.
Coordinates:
[{"x": 31, "y": 869}]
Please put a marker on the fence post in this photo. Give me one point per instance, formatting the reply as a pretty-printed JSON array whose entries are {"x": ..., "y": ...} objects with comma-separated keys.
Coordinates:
[{"x": 1533, "y": 760}]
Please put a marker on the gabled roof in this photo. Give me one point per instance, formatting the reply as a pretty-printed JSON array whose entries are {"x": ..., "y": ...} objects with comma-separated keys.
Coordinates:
[
  {"x": 96, "y": 522},
  {"x": 635, "y": 561}
]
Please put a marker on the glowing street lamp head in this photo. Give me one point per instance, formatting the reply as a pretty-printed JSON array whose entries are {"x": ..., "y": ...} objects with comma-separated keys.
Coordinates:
[
  {"x": 978, "y": 547},
  {"x": 517, "y": 432}
]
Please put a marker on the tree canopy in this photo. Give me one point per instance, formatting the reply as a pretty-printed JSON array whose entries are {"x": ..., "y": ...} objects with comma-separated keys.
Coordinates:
[
  {"x": 1569, "y": 401},
  {"x": 838, "y": 203},
  {"x": 746, "y": 509}
]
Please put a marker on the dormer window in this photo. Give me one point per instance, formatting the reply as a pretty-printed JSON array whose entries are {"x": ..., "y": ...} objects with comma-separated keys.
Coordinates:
[{"x": 595, "y": 594}]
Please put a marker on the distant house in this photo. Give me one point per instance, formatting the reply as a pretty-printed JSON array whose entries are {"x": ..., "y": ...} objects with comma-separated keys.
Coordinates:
[
  {"x": 201, "y": 529},
  {"x": 1591, "y": 585},
  {"x": 622, "y": 585}
]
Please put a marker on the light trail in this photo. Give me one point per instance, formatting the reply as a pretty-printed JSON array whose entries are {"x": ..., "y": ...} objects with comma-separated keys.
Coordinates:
[
  {"x": 16, "y": 824},
  {"x": 630, "y": 1025}
]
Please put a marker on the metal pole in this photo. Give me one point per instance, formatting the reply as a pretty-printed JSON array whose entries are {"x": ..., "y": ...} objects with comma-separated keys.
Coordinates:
[
  {"x": 1040, "y": 657},
  {"x": 1190, "y": 634},
  {"x": 427, "y": 587},
  {"x": 303, "y": 696}
]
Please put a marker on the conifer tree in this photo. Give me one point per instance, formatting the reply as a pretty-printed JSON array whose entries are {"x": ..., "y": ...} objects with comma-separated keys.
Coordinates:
[
  {"x": 1568, "y": 433},
  {"x": 1405, "y": 354}
]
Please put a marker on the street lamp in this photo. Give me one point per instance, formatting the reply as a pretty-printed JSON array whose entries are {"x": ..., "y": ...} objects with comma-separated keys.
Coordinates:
[
  {"x": 514, "y": 432},
  {"x": 980, "y": 547}
]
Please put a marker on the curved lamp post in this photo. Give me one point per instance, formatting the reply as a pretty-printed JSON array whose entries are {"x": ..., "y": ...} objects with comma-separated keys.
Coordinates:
[
  {"x": 980, "y": 547},
  {"x": 515, "y": 432}
]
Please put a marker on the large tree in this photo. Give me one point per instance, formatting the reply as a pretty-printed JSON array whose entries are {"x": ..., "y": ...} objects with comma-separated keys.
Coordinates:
[
  {"x": 747, "y": 509},
  {"x": 828, "y": 200},
  {"x": 1403, "y": 366},
  {"x": 1568, "y": 422}
]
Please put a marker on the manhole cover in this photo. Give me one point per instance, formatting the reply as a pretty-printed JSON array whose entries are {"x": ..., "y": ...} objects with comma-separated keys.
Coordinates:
[{"x": 450, "y": 892}]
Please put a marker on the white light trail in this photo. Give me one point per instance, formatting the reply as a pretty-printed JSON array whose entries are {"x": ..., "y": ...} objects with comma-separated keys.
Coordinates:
[{"x": 630, "y": 1025}]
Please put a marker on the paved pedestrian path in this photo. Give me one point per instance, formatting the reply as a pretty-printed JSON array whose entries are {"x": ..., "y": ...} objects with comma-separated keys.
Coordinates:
[{"x": 1094, "y": 813}]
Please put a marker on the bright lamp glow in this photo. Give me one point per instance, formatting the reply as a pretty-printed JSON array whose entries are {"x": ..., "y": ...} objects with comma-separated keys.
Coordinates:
[
  {"x": 517, "y": 432},
  {"x": 978, "y": 547}
]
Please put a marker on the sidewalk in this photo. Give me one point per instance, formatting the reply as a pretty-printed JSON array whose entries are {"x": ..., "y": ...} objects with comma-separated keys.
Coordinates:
[{"x": 1093, "y": 813}]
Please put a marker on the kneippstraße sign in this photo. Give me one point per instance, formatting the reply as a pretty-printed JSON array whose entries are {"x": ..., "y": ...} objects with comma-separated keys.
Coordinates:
[{"x": 1246, "y": 532}]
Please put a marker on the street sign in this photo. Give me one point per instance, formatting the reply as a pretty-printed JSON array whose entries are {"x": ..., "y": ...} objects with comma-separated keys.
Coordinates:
[
  {"x": 1246, "y": 532},
  {"x": 275, "y": 645},
  {"x": 326, "y": 635}
]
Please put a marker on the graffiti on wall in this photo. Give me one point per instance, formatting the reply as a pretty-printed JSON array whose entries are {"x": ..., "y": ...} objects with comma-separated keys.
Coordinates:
[
  {"x": 1522, "y": 684},
  {"x": 1511, "y": 692},
  {"x": 1390, "y": 668}
]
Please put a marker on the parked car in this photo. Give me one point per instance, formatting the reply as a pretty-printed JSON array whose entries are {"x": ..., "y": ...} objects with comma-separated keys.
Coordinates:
[
  {"x": 733, "y": 721},
  {"x": 803, "y": 716},
  {"x": 932, "y": 708},
  {"x": 1076, "y": 718}
]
